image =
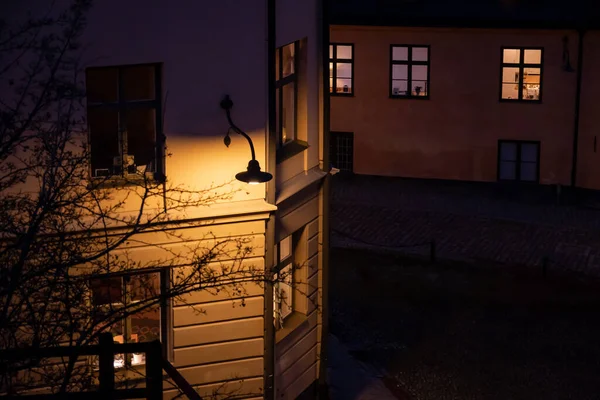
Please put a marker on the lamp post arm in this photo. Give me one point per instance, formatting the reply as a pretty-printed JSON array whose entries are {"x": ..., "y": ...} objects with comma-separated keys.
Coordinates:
[{"x": 226, "y": 104}]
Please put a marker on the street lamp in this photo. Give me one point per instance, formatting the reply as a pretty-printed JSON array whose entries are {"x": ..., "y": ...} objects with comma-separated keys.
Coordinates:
[{"x": 253, "y": 175}]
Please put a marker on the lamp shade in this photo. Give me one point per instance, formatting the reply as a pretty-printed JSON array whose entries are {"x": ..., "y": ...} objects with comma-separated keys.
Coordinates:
[{"x": 253, "y": 175}]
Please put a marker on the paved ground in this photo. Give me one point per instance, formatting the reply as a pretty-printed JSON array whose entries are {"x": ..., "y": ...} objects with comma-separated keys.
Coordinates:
[{"x": 467, "y": 222}]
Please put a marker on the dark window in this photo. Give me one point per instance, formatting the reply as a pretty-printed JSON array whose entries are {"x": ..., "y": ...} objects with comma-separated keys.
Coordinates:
[
  {"x": 341, "y": 69},
  {"x": 286, "y": 70},
  {"x": 132, "y": 309},
  {"x": 341, "y": 146},
  {"x": 521, "y": 74},
  {"x": 518, "y": 161},
  {"x": 409, "y": 71},
  {"x": 124, "y": 120}
]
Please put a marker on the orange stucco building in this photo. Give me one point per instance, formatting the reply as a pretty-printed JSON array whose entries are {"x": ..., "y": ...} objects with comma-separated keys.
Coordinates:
[{"x": 439, "y": 97}]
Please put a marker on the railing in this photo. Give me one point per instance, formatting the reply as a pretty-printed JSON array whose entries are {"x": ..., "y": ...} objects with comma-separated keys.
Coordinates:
[{"x": 106, "y": 350}]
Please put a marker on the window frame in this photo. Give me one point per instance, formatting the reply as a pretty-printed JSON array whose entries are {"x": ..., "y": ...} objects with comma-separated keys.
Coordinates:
[
  {"x": 279, "y": 84},
  {"x": 409, "y": 63},
  {"x": 521, "y": 65},
  {"x": 334, "y": 60},
  {"x": 517, "y": 179},
  {"x": 122, "y": 105},
  {"x": 164, "y": 305}
]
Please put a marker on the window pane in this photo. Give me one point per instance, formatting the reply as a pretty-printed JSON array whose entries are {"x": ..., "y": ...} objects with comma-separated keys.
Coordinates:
[
  {"x": 419, "y": 72},
  {"x": 399, "y": 87},
  {"x": 288, "y": 113},
  {"x": 285, "y": 290},
  {"x": 399, "y": 71},
  {"x": 531, "y": 92},
  {"x": 508, "y": 151},
  {"x": 330, "y": 85},
  {"x": 510, "y": 75},
  {"x": 344, "y": 52},
  {"x": 533, "y": 56},
  {"x": 508, "y": 170},
  {"x": 144, "y": 286},
  {"x": 288, "y": 55},
  {"x": 528, "y": 172},
  {"x": 285, "y": 248},
  {"x": 138, "y": 83},
  {"x": 511, "y": 56},
  {"x": 419, "y": 88},
  {"x": 102, "y": 85},
  {"x": 510, "y": 91},
  {"x": 330, "y": 51},
  {"x": 104, "y": 139},
  {"x": 529, "y": 152},
  {"x": 141, "y": 135},
  {"x": 106, "y": 291},
  {"x": 343, "y": 70},
  {"x": 344, "y": 85},
  {"x": 420, "y": 53},
  {"x": 531, "y": 75},
  {"x": 400, "y": 53}
]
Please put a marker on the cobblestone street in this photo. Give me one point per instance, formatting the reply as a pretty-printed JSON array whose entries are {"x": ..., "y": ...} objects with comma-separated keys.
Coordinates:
[{"x": 473, "y": 222}]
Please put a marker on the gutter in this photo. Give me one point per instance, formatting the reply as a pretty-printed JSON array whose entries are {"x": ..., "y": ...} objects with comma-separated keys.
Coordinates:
[{"x": 581, "y": 33}]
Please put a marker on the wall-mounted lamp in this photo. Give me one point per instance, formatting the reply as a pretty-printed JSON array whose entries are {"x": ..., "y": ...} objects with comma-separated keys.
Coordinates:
[{"x": 253, "y": 175}]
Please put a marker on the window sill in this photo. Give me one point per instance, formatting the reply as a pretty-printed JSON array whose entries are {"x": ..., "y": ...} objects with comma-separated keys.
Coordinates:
[
  {"x": 409, "y": 97},
  {"x": 111, "y": 182},
  {"x": 341, "y": 94},
  {"x": 291, "y": 149},
  {"x": 290, "y": 324}
]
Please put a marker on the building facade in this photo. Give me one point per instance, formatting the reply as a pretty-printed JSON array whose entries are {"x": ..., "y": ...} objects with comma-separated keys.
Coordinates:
[
  {"x": 474, "y": 92},
  {"x": 167, "y": 68}
]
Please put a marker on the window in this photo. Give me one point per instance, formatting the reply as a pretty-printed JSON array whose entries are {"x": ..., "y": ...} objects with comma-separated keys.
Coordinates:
[
  {"x": 409, "y": 74},
  {"x": 521, "y": 74},
  {"x": 341, "y": 69},
  {"x": 284, "y": 281},
  {"x": 341, "y": 146},
  {"x": 124, "y": 120},
  {"x": 114, "y": 297},
  {"x": 518, "y": 161},
  {"x": 286, "y": 71}
]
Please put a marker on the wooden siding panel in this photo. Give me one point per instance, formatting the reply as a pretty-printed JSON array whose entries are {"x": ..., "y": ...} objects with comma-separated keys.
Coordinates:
[
  {"x": 218, "y": 311},
  {"x": 211, "y": 333},
  {"x": 298, "y": 368},
  {"x": 300, "y": 384},
  {"x": 220, "y": 391},
  {"x": 219, "y": 352},
  {"x": 313, "y": 246},
  {"x": 313, "y": 228},
  {"x": 232, "y": 370},
  {"x": 299, "y": 349},
  {"x": 313, "y": 284}
]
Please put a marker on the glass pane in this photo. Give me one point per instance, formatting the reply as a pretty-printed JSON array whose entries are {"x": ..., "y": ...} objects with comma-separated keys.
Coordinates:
[
  {"x": 531, "y": 75},
  {"x": 330, "y": 85},
  {"x": 285, "y": 248},
  {"x": 285, "y": 290},
  {"x": 399, "y": 71},
  {"x": 106, "y": 291},
  {"x": 512, "y": 56},
  {"x": 419, "y": 88},
  {"x": 344, "y": 85},
  {"x": 138, "y": 83},
  {"x": 531, "y": 92},
  {"x": 344, "y": 52},
  {"x": 420, "y": 53},
  {"x": 343, "y": 70},
  {"x": 104, "y": 139},
  {"x": 287, "y": 57},
  {"x": 510, "y": 91},
  {"x": 288, "y": 113},
  {"x": 144, "y": 286},
  {"x": 508, "y": 151},
  {"x": 330, "y": 69},
  {"x": 330, "y": 51},
  {"x": 399, "y": 87},
  {"x": 400, "y": 53},
  {"x": 528, "y": 172},
  {"x": 102, "y": 85},
  {"x": 141, "y": 136},
  {"x": 533, "y": 56},
  {"x": 508, "y": 170},
  {"x": 529, "y": 152},
  {"x": 510, "y": 75},
  {"x": 419, "y": 72}
]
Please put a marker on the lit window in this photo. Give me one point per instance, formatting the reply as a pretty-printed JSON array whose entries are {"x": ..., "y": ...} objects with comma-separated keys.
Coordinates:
[
  {"x": 124, "y": 112},
  {"x": 521, "y": 74},
  {"x": 287, "y": 88},
  {"x": 341, "y": 69},
  {"x": 409, "y": 71},
  {"x": 116, "y": 301},
  {"x": 518, "y": 161},
  {"x": 284, "y": 281}
]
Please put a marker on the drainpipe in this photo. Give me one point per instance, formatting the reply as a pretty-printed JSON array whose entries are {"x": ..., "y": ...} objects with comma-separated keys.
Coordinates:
[
  {"x": 271, "y": 165},
  {"x": 581, "y": 33}
]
